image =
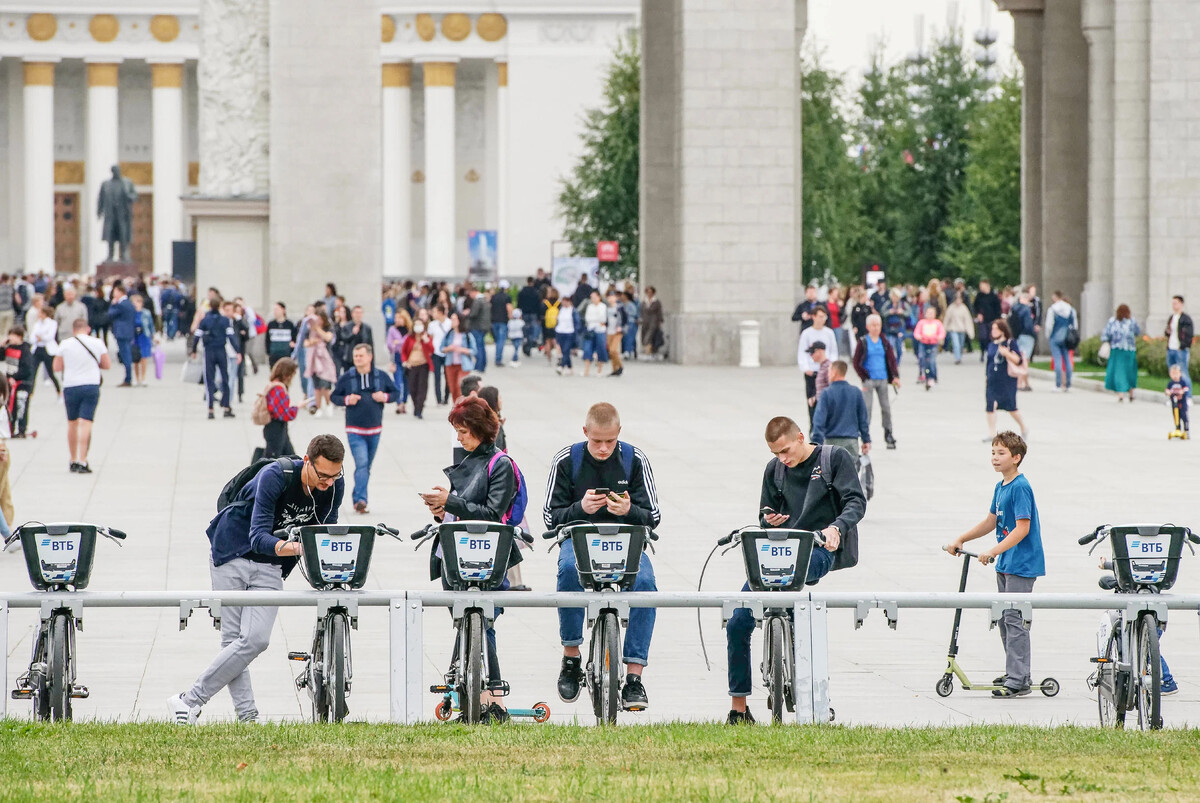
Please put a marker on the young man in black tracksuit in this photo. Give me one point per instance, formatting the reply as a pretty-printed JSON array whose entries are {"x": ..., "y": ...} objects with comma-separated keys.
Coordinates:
[
  {"x": 801, "y": 499},
  {"x": 215, "y": 330},
  {"x": 602, "y": 462},
  {"x": 364, "y": 391}
]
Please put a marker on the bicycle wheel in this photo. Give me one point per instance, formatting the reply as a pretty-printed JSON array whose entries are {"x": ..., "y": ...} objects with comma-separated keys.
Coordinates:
[
  {"x": 470, "y": 699},
  {"x": 1148, "y": 675},
  {"x": 608, "y": 667},
  {"x": 775, "y": 671},
  {"x": 59, "y": 668},
  {"x": 1108, "y": 689},
  {"x": 317, "y": 690},
  {"x": 336, "y": 684},
  {"x": 39, "y": 679}
]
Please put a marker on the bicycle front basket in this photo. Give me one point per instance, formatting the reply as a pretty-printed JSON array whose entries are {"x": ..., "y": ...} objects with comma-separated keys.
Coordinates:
[
  {"x": 608, "y": 554},
  {"x": 1146, "y": 555},
  {"x": 475, "y": 554},
  {"x": 336, "y": 554},
  {"x": 777, "y": 560},
  {"x": 58, "y": 554}
]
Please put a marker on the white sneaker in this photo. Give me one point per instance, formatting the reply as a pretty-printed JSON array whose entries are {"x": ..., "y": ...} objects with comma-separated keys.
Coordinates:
[{"x": 183, "y": 713}]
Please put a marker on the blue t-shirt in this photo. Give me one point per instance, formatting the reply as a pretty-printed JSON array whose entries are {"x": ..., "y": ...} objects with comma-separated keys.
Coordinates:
[
  {"x": 389, "y": 311},
  {"x": 1011, "y": 503},
  {"x": 876, "y": 362}
]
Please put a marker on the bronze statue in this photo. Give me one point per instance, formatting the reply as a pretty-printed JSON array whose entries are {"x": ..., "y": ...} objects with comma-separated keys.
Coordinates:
[{"x": 115, "y": 207}]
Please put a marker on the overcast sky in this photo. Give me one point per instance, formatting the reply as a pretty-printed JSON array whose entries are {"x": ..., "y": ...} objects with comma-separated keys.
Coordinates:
[{"x": 847, "y": 30}]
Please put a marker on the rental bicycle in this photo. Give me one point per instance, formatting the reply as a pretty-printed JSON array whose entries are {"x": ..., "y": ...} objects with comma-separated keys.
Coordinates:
[
  {"x": 1128, "y": 676},
  {"x": 333, "y": 557},
  {"x": 607, "y": 558},
  {"x": 59, "y": 559},
  {"x": 474, "y": 558},
  {"x": 776, "y": 560}
]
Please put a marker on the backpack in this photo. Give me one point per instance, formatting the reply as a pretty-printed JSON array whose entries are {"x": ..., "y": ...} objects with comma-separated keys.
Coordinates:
[
  {"x": 520, "y": 502},
  {"x": 551, "y": 314},
  {"x": 260, "y": 326},
  {"x": 260, "y": 415},
  {"x": 229, "y": 494},
  {"x": 847, "y": 555}
]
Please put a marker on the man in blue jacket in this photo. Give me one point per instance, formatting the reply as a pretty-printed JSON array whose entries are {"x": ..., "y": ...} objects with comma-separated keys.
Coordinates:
[
  {"x": 364, "y": 391},
  {"x": 216, "y": 329},
  {"x": 841, "y": 415},
  {"x": 122, "y": 322},
  {"x": 246, "y": 556}
]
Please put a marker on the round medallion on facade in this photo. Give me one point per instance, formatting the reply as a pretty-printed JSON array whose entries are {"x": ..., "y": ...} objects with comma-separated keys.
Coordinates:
[
  {"x": 426, "y": 28},
  {"x": 389, "y": 28},
  {"x": 104, "y": 27},
  {"x": 456, "y": 27},
  {"x": 165, "y": 27},
  {"x": 41, "y": 27},
  {"x": 491, "y": 27}
]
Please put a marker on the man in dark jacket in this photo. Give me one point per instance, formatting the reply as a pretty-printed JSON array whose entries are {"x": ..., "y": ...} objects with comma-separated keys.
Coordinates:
[
  {"x": 602, "y": 480},
  {"x": 986, "y": 307},
  {"x": 1179, "y": 333},
  {"x": 216, "y": 329},
  {"x": 358, "y": 332},
  {"x": 841, "y": 415},
  {"x": 121, "y": 319},
  {"x": 479, "y": 321},
  {"x": 529, "y": 301},
  {"x": 501, "y": 310},
  {"x": 364, "y": 391},
  {"x": 876, "y": 365},
  {"x": 246, "y": 556},
  {"x": 806, "y": 308},
  {"x": 834, "y": 507}
]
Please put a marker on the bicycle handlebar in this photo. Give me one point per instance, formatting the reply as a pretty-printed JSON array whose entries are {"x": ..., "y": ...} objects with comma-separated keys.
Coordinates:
[
  {"x": 557, "y": 532},
  {"x": 1090, "y": 537},
  {"x": 725, "y": 540}
]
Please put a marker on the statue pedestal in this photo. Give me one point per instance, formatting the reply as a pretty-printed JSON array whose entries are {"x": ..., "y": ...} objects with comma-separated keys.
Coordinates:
[
  {"x": 115, "y": 270},
  {"x": 232, "y": 245}
]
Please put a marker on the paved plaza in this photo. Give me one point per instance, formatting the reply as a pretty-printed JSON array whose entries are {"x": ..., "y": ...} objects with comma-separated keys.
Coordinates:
[{"x": 159, "y": 466}]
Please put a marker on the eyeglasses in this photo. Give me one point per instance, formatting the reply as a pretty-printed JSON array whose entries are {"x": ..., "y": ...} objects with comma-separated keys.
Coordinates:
[{"x": 328, "y": 477}]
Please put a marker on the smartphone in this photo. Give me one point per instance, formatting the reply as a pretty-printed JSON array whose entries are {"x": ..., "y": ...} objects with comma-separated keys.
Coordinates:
[
  {"x": 602, "y": 491},
  {"x": 766, "y": 511}
]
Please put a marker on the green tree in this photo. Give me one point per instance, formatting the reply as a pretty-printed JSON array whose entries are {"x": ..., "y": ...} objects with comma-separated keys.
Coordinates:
[
  {"x": 984, "y": 235},
  {"x": 599, "y": 200},
  {"x": 833, "y": 222}
]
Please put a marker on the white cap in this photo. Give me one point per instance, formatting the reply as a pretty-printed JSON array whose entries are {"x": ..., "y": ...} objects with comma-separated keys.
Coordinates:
[{"x": 504, "y": 284}]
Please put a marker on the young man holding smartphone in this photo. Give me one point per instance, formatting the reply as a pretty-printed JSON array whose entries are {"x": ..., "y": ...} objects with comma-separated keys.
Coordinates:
[{"x": 602, "y": 480}]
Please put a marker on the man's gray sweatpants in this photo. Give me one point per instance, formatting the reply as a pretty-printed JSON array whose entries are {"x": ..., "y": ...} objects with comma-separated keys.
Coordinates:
[
  {"x": 878, "y": 387},
  {"x": 245, "y": 633},
  {"x": 1014, "y": 635}
]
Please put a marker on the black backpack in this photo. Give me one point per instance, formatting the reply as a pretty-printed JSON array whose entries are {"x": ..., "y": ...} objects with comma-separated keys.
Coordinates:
[
  {"x": 847, "y": 554},
  {"x": 229, "y": 493}
]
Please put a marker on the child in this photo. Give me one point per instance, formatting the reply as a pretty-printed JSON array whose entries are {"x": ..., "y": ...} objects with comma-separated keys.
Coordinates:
[
  {"x": 929, "y": 334},
  {"x": 1180, "y": 397},
  {"x": 1013, "y": 517},
  {"x": 516, "y": 333}
]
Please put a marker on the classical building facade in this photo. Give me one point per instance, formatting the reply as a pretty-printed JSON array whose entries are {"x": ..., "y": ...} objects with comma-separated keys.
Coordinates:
[{"x": 478, "y": 113}]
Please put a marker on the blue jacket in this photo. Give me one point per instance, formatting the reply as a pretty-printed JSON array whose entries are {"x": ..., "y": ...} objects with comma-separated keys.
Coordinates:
[
  {"x": 248, "y": 525},
  {"x": 366, "y": 416},
  {"x": 121, "y": 319},
  {"x": 841, "y": 413},
  {"x": 215, "y": 329}
]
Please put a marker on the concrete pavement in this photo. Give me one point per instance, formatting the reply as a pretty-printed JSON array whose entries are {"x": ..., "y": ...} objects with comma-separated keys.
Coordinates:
[{"x": 159, "y": 466}]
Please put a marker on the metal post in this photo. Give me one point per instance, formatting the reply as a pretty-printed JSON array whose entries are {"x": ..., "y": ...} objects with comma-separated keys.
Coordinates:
[
  {"x": 414, "y": 660},
  {"x": 802, "y": 683},
  {"x": 3, "y": 659},
  {"x": 396, "y": 643},
  {"x": 819, "y": 640}
]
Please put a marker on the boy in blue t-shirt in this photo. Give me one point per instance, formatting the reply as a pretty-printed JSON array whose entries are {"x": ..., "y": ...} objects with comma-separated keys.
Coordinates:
[{"x": 1013, "y": 517}]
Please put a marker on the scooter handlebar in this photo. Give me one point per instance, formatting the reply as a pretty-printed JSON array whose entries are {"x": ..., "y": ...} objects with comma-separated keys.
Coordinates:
[{"x": 949, "y": 549}]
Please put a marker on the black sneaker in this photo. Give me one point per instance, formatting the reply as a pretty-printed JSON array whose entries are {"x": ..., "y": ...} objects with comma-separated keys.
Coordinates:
[
  {"x": 570, "y": 678},
  {"x": 83, "y": 468},
  {"x": 633, "y": 695},
  {"x": 74, "y": 468},
  {"x": 1008, "y": 691},
  {"x": 740, "y": 718},
  {"x": 228, "y": 413},
  {"x": 496, "y": 715},
  {"x": 210, "y": 415}
]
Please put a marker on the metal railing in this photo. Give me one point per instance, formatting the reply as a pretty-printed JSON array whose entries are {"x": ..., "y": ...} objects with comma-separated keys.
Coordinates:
[{"x": 406, "y": 614}]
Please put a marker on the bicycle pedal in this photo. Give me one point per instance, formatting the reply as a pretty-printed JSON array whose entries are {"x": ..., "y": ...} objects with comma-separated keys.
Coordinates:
[
  {"x": 633, "y": 709},
  {"x": 22, "y": 694},
  {"x": 441, "y": 689},
  {"x": 298, "y": 656},
  {"x": 80, "y": 692},
  {"x": 1100, "y": 660},
  {"x": 498, "y": 687}
]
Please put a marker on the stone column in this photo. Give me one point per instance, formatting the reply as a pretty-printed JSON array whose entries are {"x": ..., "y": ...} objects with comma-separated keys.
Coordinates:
[
  {"x": 1131, "y": 156},
  {"x": 102, "y": 152},
  {"x": 1027, "y": 21},
  {"x": 799, "y": 30},
  {"x": 501, "y": 191},
  {"x": 397, "y": 169},
  {"x": 39, "y": 166},
  {"x": 1096, "y": 303},
  {"x": 440, "y": 225},
  {"x": 167, "y": 103}
]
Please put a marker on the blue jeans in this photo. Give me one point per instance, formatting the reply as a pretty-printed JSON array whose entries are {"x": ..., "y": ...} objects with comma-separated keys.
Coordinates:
[
  {"x": 1167, "y": 677},
  {"x": 477, "y": 338},
  {"x": 533, "y": 334},
  {"x": 629, "y": 339},
  {"x": 1180, "y": 357},
  {"x": 566, "y": 342},
  {"x": 595, "y": 347},
  {"x": 897, "y": 342},
  {"x": 927, "y": 360},
  {"x": 362, "y": 447},
  {"x": 741, "y": 627},
  {"x": 214, "y": 363},
  {"x": 171, "y": 322},
  {"x": 499, "y": 333},
  {"x": 125, "y": 355},
  {"x": 398, "y": 378},
  {"x": 641, "y": 620},
  {"x": 956, "y": 343},
  {"x": 516, "y": 346},
  {"x": 1062, "y": 364},
  {"x": 439, "y": 374}
]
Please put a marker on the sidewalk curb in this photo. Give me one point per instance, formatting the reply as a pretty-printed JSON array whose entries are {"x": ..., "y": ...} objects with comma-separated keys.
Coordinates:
[{"x": 1097, "y": 386}]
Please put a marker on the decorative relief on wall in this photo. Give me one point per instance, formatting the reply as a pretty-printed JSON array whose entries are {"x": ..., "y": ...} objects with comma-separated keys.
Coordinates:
[
  {"x": 418, "y": 177},
  {"x": 104, "y": 27},
  {"x": 164, "y": 27},
  {"x": 491, "y": 27},
  {"x": 389, "y": 28},
  {"x": 567, "y": 32},
  {"x": 456, "y": 27},
  {"x": 41, "y": 27},
  {"x": 426, "y": 28}
]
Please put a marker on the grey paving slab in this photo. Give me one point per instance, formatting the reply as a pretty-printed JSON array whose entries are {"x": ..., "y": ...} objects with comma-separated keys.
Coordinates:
[{"x": 159, "y": 465}]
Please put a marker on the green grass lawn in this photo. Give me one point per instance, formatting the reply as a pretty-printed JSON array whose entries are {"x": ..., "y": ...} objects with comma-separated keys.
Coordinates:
[
  {"x": 1089, "y": 371},
  {"x": 568, "y": 763}
]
